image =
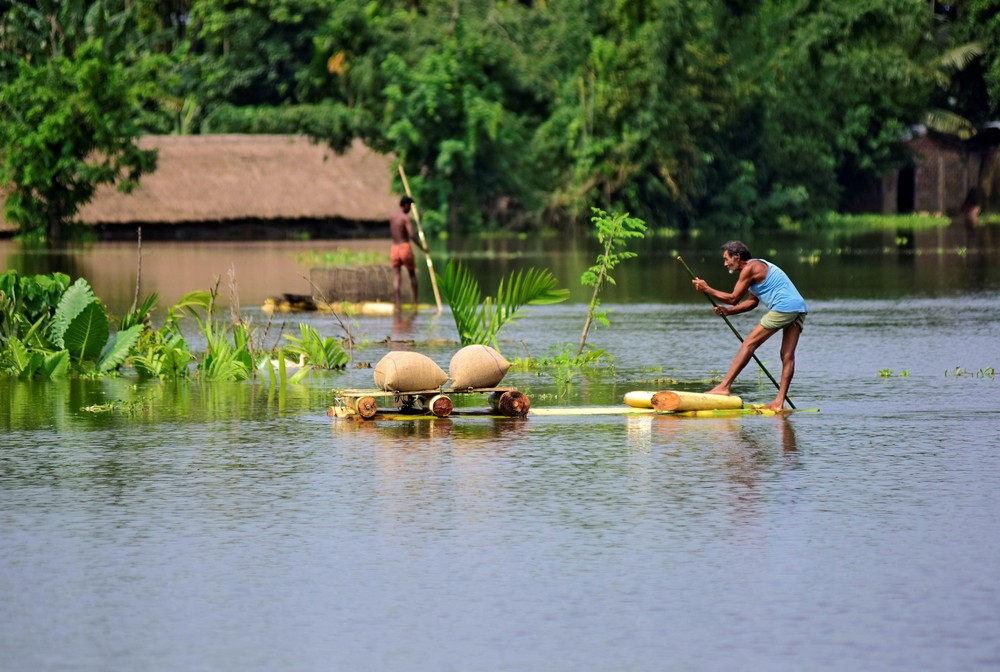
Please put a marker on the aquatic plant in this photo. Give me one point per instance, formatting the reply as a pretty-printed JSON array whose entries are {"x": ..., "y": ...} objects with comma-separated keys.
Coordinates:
[
  {"x": 613, "y": 232},
  {"x": 479, "y": 320},
  {"x": 27, "y": 300},
  {"x": 128, "y": 407},
  {"x": 52, "y": 329},
  {"x": 343, "y": 256},
  {"x": 563, "y": 365},
  {"x": 318, "y": 351},
  {"x": 80, "y": 326},
  {"x": 983, "y": 372}
]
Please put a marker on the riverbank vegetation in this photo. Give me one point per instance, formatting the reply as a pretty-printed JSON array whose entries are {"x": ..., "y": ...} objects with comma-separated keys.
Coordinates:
[
  {"x": 51, "y": 329},
  {"x": 506, "y": 114}
]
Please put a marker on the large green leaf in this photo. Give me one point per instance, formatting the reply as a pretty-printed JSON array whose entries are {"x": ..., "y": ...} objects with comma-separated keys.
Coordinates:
[
  {"x": 73, "y": 302},
  {"x": 118, "y": 348},
  {"x": 87, "y": 333},
  {"x": 17, "y": 354},
  {"x": 56, "y": 365}
]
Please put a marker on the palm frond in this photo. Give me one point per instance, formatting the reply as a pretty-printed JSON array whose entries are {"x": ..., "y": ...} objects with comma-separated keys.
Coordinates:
[
  {"x": 945, "y": 121},
  {"x": 479, "y": 320}
]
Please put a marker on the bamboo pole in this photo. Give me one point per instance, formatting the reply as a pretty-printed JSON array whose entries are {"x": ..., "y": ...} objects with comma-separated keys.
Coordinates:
[
  {"x": 423, "y": 241},
  {"x": 668, "y": 400},
  {"x": 755, "y": 358},
  {"x": 639, "y": 399}
]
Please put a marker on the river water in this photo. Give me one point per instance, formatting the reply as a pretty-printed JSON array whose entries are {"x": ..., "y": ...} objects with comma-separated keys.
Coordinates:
[{"x": 230, "y": 527}]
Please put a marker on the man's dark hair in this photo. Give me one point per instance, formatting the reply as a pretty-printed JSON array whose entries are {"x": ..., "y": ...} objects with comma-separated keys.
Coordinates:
[
  {"x": 737, "y": 249},
  {"x": 404, "y": 201}
]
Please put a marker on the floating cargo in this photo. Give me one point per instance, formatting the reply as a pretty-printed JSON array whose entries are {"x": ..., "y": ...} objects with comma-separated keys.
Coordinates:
[
  {"x": 505, "y": 402},
  {"x": 508, "y": 402}
]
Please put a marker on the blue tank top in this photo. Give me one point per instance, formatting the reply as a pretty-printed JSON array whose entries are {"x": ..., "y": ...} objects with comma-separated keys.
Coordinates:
[{"x": 777, "y": 292}]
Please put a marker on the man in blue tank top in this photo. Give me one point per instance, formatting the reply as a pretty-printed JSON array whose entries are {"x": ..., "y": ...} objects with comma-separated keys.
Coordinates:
[{"x": 760, "y": 282}]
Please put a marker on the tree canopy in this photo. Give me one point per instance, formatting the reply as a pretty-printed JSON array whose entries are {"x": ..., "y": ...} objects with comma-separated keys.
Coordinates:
[{"x": 510, "y": 113}]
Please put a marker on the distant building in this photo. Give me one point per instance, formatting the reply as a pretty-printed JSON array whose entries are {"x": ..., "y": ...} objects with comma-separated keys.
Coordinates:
[
  {"x": 249, "y": 186},
  {"x": 942, "y": 171}
]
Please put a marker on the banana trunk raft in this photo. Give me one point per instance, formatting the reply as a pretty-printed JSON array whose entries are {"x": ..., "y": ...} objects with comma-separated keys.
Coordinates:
[{"x": 508, "y": 402}]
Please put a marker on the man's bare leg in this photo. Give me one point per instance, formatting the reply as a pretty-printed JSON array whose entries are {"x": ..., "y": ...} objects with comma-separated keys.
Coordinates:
[
  {"x": 789, "y": 341},
  {"x": 413, "y": 285},
  {"x": 395, "y": 283},
  {"x": 743, "y": 355}
]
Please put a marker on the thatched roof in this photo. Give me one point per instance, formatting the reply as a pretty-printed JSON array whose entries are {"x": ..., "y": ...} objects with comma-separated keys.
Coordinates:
[{"x": 215, "y": 178}]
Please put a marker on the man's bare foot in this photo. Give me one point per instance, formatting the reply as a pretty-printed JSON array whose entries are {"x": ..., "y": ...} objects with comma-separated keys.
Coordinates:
[
  {"x": 774, "y": 406},
  {"x": 724, "y": 391}
]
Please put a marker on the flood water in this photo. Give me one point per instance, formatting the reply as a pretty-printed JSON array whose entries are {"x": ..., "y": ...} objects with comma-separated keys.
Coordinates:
[{"x": 230, "y": 527}]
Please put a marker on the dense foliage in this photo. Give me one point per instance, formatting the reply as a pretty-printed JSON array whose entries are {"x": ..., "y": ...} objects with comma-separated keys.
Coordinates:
[
  {"x": 505, "y": 112},
  {"x": 50, "y": 328}
]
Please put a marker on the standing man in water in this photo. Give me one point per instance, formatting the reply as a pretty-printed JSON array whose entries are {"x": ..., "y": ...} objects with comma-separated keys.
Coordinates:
[
  {"x": 767, "y": 284},
  {"x": 401, "y": 253}
]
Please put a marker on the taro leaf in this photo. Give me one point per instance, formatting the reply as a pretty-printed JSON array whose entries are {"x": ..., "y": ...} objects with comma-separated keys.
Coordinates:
[
  {"x": 18, "y": 354},
  {"x": 87, "y": 333},
  {"x": 35, "y": 362},
  {"x": 118, "y": 348},
  {"x": 56, "y": 365},
  {"x": 73, "y": 302}
]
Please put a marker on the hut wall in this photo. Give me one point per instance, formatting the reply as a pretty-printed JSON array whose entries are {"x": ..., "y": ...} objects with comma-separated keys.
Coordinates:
[{"x": 942, "y": 176}]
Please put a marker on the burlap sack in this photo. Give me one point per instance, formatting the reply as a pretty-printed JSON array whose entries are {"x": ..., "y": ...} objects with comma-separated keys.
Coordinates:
[
  {"x": 477, "y": 366},
  {"x": 404, "y": 371}
]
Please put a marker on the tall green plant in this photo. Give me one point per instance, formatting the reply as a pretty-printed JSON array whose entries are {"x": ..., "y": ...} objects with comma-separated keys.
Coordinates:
[
  {"x": 225, "y": 358},
  {"x": 478, "y": 319},
  {"x": 613, "y": 232},
  {"x": 318, "y": 351}
]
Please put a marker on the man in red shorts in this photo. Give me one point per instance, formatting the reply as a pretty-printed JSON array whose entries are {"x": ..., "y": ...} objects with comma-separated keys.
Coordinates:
[{"x": 401, "y": 253}]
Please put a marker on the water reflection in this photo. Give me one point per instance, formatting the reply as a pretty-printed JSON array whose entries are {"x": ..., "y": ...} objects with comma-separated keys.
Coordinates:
[
  {"x": 79, "y": 404},
  {"x": 402, "y": 324},
  {"x": 824, "y": 265}
]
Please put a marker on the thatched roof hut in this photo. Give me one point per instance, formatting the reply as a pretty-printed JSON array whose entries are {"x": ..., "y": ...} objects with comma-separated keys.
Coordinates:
[{"x": 272, "y": 185}]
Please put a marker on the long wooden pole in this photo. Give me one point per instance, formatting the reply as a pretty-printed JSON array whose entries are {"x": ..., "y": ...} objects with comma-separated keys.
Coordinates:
[
  {"x": 755, "y": 358},
  {"x": 423, "y": 241}
]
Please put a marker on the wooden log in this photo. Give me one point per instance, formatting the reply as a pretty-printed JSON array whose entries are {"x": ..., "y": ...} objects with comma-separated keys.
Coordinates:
[
  {"x": 512, "y": 404},
  {"x": 639, "y": 399},
  {"x": 668, "y": 400},
  {"x": 439, "y": 405},
  {"x": 366, "y": 407}
]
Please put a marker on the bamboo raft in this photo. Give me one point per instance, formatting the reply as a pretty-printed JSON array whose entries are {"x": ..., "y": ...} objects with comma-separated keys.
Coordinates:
[{"x": 508, "y": 402}]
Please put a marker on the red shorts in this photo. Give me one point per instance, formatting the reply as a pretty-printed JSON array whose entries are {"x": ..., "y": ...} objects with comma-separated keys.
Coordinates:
[{"x": 401, "y": 255}]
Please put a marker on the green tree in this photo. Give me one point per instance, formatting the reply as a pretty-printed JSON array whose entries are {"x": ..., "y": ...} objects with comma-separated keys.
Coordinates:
[
  {"x": 67, "y": 125},
  {"x": 253, "y": 52},
  {"x": 827, "y": 91},
  {"x": 636, "y": 106},
  {"x": 446, "y": 87}
]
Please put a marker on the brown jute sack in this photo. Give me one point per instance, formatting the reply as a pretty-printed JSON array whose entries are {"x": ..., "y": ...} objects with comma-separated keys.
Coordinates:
[
  {"x": 405, "y": 371},
  {"x": 477, "y": 366}
]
